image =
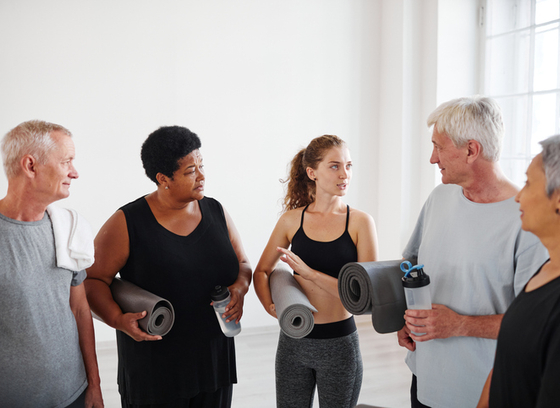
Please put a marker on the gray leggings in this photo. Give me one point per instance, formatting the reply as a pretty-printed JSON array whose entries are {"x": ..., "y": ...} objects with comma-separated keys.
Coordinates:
[{"x": 334, "y": 365}]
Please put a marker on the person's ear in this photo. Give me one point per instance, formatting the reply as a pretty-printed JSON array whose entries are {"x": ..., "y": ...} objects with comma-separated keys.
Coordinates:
[
  {"x": 311, "y": 174},
  {"x": 474, "y": 150},
  {"x": 29, "y": 165},
  {"x": 162, "y": 179},
  {"x": 556, "y": 198}
]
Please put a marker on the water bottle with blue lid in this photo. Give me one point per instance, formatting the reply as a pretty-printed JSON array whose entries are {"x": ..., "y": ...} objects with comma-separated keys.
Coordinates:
[{"x": 416, "y": 285}]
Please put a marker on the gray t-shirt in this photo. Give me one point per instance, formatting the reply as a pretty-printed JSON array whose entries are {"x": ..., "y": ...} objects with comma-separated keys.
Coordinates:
[
  {"x": 478, "y": 260},
  {"x": 41, "y": 363}
]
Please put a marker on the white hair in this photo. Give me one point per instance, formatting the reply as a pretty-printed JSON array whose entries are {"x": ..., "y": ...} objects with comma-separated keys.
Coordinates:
[
  {"x": 471, "y": 118},
  {"x": 33, "y": 138},
  {"x": 551, "y": 163}
]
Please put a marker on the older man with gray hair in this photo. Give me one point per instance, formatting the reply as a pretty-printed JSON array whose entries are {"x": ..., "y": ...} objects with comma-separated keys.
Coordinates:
[
  {"x": 469, "y": 238},
  {"x": 47, "y": 346}
]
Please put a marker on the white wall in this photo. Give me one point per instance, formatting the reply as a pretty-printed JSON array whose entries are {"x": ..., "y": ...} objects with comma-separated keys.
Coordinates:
[
  {"x": 408, "y": 83},
  {"x": 429, "y": 52},
  {"x": 255, "y": 79}
]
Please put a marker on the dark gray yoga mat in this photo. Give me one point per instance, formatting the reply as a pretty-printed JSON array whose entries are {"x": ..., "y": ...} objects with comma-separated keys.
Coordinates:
[
  {"x": 374, "y": 288},
  {"x": 132, "y": 299},
  {"x": 367, "y": 406},
  {"x": 294, "y": 311}
]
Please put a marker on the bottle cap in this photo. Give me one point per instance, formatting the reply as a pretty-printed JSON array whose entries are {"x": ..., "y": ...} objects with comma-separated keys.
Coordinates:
[
  {"x": 414, "y": 276},
  {"x": 219, "y": 293}
]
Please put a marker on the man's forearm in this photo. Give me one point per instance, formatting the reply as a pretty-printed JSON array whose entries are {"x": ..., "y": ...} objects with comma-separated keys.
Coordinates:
[{"x": 486, "y": 327}]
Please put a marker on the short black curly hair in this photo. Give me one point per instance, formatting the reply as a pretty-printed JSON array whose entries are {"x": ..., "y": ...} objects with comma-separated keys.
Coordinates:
[{"x": 163, "y": 149}]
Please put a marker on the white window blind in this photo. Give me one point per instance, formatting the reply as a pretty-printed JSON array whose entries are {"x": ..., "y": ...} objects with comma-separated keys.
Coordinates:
[{"x": 522, "y": 72}]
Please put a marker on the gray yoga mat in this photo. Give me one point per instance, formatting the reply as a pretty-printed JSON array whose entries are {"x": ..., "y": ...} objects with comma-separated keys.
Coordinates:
[
  {"x": 366, "y": 406},
  {"x": 132, "y": 299},
  {"x": 374, "y": 288},
  {"x": 293, "y": 309}
]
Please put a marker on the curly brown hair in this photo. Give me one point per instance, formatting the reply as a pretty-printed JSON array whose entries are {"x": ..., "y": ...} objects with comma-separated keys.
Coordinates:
[{"x": 300, "y": 188}]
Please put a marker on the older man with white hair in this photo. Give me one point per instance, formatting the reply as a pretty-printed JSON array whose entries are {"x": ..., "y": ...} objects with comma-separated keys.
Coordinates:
[
  {"x": 469, "y": 238},
  {"x": 47, "y": 346}
]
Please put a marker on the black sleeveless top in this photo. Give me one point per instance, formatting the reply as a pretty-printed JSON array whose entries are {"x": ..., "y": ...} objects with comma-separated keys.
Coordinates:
[
  {"x": 194, "y": 356},
  {"x": 326, "y": 257}
]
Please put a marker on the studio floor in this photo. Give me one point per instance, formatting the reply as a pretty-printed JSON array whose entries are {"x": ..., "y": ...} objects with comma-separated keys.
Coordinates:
[{"x": 386, "y": 381}]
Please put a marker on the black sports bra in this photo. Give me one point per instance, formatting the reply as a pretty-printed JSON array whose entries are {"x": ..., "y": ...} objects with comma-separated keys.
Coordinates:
[{"x": 327, "y": 257}]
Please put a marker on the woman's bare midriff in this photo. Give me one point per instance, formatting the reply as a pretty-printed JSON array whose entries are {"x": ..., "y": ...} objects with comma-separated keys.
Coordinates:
[{"x": 330, "y": 308}]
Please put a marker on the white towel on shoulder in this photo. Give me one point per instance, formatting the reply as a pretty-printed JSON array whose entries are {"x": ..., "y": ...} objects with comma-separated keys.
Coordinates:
[{"x": 73, "y": 239}]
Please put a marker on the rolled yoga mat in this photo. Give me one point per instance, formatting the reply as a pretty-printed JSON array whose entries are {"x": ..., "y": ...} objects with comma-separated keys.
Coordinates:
[
  {"x": 132, "y": 299},
  {"x": 374, "y": 288},
  {"x": 293, "y": 309}
]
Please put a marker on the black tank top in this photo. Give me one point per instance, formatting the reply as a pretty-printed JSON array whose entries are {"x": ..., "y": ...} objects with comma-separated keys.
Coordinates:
[
  {"x": 327, "y": 257},
  {"x": 194, "y": 356}
]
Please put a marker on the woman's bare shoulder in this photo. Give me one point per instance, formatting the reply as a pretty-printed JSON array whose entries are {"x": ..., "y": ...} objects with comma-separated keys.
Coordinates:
[
  {"x": 289, "y": 222},
  {"x": 360, "y": 215},
  {"x": 290, "y": 217}
]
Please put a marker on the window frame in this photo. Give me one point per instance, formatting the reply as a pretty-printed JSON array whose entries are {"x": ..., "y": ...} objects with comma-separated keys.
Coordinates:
[{"x": 508, "y": 160}]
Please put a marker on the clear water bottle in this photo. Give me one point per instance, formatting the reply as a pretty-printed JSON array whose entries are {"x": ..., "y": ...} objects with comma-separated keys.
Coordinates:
[
  {"x": 221, "y": 297},
  {"x": 416, "y": 288}
]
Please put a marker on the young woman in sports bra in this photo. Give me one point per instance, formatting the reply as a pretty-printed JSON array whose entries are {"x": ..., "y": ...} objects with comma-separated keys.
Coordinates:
[{"x": 316, "y": 235}]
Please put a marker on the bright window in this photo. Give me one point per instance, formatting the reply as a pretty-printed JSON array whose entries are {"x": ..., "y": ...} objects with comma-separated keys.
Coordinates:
[{"x": 522, "y": 72}]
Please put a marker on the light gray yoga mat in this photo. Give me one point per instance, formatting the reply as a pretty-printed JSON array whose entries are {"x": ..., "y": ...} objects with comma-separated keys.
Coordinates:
[
  {"x": 374, "y": 288},
  {"x": 294, "y": 311},
  {"x": 160, "y": 315}
]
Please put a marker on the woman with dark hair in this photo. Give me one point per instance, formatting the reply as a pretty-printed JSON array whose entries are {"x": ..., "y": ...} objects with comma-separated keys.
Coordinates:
[
  {"x": 527, "y": 364},
  {"x": 177, "y": 244},
  {"x": 324, "y": 235}
]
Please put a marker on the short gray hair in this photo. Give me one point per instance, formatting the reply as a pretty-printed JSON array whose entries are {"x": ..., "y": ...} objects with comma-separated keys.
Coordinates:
[
  {"x": 32, "y": 137},
  {"x": 551, "y": 163},
  {"x": 471, "y": 118}
]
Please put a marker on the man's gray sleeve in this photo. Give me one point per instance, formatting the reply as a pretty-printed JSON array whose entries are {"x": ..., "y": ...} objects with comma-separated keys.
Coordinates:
[
  {"x": 530, "y": 254},
  {"x": 78, "y": 277}
]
